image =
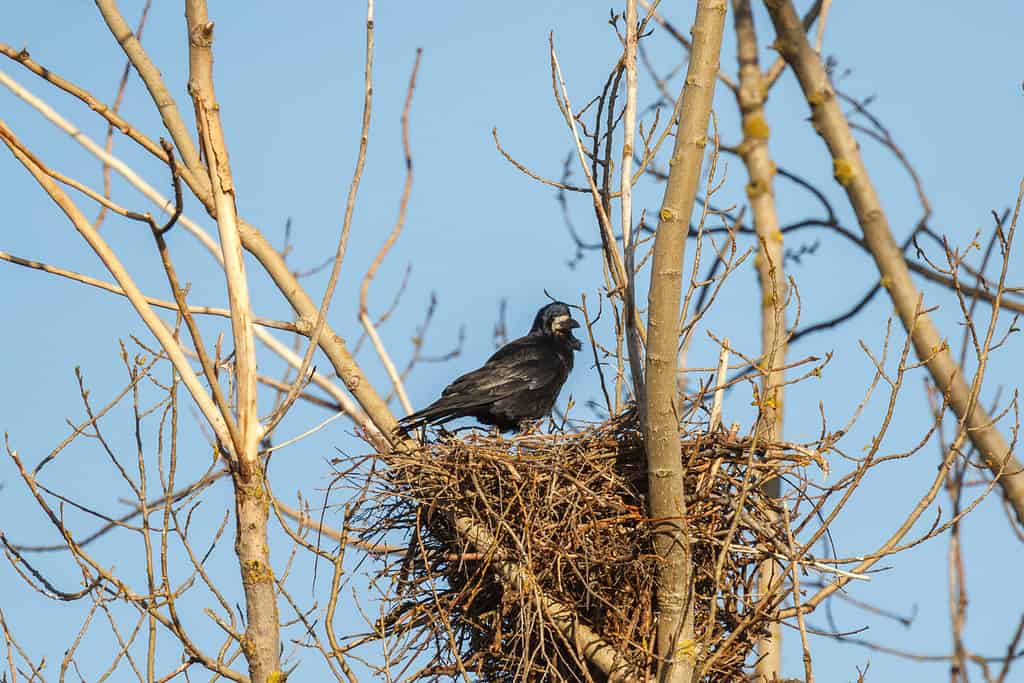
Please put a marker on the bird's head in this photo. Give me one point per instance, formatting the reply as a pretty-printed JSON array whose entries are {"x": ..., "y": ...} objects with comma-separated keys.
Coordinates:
[{"x": 555, "y": 319}]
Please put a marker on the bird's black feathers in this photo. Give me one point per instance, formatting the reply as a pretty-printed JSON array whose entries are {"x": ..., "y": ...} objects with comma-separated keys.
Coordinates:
[{"x": 520, "y": 382}]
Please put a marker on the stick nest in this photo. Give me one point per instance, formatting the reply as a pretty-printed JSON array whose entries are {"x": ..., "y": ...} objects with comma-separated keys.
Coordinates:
[{"x": 565, "y": 526}]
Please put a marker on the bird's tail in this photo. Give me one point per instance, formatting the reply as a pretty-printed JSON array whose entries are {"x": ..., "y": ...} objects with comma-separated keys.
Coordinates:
[
  {"x": 430, "y": 415},
  {"x": 438, "y": 412}
]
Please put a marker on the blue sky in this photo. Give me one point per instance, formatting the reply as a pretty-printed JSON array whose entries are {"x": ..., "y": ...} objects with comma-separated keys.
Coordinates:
[{"x": 947, "y": 82}]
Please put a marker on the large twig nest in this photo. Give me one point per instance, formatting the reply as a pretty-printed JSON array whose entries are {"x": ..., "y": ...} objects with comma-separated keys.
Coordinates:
[{"x": 565, "y": 515}]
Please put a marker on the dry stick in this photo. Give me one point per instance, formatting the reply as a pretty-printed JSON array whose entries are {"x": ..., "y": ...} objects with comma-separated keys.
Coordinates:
[
  {"x": 262, "y": 641},
  {"x": 168, "y": 479},
  {"x": 179, "y": 297},
  {"x": 720, "y": 381},
  {"x": 117, "y": 269},
  {"x": 750, "y": 97},
  {"x": 794, "y": 570},
  {"x": 820, "y": 38},
  {"x": 674, "y": 597},
  {"x": 850, "y": 171},
  {"x": 626, "y": 204},
  {"x": 141, "y": 490},
  {"x": 536, "y": 176},
  {"x": 201, "y": 88},
  {"x": 385, "y": 358},
  {"x": 10, "y": 642},
  {"x": 957, "y": 589}
]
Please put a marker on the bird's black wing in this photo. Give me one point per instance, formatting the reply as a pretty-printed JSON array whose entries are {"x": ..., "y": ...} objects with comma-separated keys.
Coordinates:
[{"x": 524, "y": 365}]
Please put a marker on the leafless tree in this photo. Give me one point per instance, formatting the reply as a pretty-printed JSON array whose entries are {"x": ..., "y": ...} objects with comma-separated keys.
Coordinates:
[{"x": 659, "y": 543}]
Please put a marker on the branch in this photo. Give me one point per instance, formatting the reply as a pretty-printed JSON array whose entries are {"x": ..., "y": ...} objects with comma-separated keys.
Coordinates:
[
  {"x": 750, "y": 98},
  {"x": 626, "y": 184},
  {"x": 403, "y": 204},
  {"x": 215, "y": 152},
  {"x": 664, "y": 460},
  {"x": 262, "y": 640},
  {"x": 725, "y": 78},
  {"x": 302, "y": 326},
  {"x": 612, "y": 256}
]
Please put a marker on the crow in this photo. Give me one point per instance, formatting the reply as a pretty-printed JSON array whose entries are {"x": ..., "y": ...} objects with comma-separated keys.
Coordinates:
[{"x": 519, "y": 383}]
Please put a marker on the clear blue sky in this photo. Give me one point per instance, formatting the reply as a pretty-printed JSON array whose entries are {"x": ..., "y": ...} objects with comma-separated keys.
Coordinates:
[{"x": 947, "y": 80}]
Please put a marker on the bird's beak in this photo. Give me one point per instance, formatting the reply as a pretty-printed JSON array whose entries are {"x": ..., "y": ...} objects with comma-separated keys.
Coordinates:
[{"x": 564, "y": 323}]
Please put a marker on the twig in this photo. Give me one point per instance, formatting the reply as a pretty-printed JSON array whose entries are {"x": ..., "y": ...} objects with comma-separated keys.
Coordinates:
[{"x": 716, "y": 407}]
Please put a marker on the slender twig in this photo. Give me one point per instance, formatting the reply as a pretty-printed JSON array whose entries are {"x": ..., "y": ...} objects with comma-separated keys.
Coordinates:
[
  {"x": 633, "y": 345},
  {"x": 716, "y": 407}
]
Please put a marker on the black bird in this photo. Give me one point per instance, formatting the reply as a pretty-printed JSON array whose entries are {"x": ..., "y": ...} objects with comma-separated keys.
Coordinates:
[{"x": 519, "y": 383}]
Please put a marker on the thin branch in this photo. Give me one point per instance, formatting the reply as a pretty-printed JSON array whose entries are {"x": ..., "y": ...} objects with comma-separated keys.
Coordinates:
[
  {"x": 153, "y": 301},
  {"x": 636, "y": 360}
]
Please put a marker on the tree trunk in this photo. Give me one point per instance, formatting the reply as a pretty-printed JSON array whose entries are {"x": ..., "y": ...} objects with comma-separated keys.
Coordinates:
[
  {"x": 750, "y": 96},
  {"x": 674, "y": 605}
]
